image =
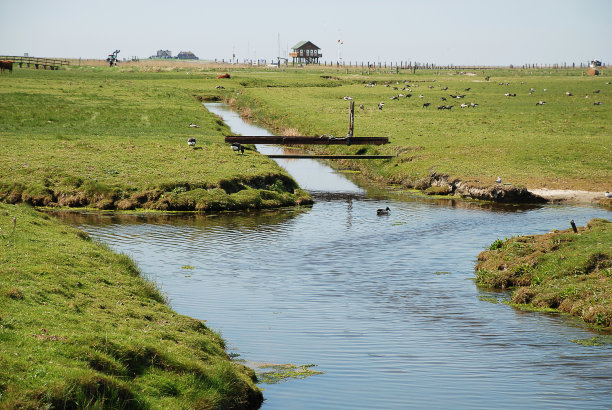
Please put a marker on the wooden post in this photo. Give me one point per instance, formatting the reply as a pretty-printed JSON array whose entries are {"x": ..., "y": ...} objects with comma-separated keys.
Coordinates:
[
  {"x": 573, "y": 226},
  {"x": 351, "y": 119}
]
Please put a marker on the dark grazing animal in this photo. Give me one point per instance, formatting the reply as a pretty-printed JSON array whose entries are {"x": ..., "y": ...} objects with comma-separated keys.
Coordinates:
[{"x": 6, "y": 65}]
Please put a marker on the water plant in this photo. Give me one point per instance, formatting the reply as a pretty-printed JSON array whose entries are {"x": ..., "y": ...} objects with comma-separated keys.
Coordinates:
[
  {"x": 497, "y": 244},
  {"x": 600, "y": 341},
  {"x": 269, "y": 373}
]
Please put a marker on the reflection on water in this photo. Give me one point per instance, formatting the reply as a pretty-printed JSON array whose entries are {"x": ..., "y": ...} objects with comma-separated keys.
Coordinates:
[{"x": 357, "y": 295}]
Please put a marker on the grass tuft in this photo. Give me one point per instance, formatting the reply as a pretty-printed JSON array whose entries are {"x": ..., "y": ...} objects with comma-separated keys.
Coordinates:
[{"x": 560, "y": 270}]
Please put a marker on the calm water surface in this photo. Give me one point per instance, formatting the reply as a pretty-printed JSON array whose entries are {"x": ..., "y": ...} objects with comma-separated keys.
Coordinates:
[{"x": 358, "y": 295}]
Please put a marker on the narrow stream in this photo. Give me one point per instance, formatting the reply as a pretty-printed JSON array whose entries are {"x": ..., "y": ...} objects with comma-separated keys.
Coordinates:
[{"x": 384, "y": 306}]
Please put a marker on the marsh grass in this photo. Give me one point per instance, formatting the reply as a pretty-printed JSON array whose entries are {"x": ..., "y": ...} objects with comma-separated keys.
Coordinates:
[
  {"x": 118, "y": 140},
  {"x": 559, "y": 271},
  {"x": 81, "y": 328},
  {"x": 563, "y": 144}
]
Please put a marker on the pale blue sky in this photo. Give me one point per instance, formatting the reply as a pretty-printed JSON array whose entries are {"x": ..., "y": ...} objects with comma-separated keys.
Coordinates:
[{"x": 483, "y": 32}]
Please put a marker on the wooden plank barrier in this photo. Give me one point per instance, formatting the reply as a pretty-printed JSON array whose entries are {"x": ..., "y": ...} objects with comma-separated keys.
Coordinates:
[
  {"x": 306, "y": 140},
  {"x": 322, "y": 156}
]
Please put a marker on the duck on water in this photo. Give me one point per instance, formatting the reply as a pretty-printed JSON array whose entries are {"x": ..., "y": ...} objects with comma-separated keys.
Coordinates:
[{"x": 381, "y": 211}]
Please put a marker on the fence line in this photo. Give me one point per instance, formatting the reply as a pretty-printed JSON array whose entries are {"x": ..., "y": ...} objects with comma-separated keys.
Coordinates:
[
  {"x": 52, "y": 63},
  {"x": 415, "y": 65}
]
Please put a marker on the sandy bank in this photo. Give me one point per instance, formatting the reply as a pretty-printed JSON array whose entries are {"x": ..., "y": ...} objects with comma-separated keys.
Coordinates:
[{"x": 566, "y": 195}]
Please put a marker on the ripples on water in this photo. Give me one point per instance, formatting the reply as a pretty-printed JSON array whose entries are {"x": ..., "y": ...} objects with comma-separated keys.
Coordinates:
[{"x": 357, "y": 295}]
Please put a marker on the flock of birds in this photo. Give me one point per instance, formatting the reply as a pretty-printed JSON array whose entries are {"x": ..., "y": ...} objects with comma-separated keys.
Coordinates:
[
  {"x": 407, "y": 88},
  {"x": 408, "y": 93}
]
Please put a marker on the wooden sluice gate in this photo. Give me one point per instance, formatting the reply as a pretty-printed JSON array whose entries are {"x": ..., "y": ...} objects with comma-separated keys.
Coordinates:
[{"x": 315, "y": 140}]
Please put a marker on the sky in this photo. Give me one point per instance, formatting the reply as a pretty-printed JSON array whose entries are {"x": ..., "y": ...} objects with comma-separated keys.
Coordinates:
[{"x": 459, "y": 32}]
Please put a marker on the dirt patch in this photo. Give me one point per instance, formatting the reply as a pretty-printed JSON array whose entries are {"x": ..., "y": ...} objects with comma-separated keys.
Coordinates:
[{"x": 567, "y": 195}]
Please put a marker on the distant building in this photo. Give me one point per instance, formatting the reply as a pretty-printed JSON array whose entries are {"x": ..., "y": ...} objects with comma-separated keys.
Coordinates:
[
  {"x": 164, "y": 54},
  {"x": 305, "y": 52},
  {"x": 186, "y": 55}
]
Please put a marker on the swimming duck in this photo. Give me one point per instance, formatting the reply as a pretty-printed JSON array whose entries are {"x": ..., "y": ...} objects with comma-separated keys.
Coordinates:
[{"x": 381, "y": 211}]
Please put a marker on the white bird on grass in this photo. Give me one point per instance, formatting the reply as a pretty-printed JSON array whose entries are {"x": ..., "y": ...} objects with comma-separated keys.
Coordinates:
[{"x": 498, "y": 180}]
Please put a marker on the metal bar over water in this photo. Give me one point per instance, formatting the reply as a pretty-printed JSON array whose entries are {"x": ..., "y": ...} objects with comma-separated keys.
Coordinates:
[
  {"x": 307, "y": 156},
  {"x": 306, "y": 140}
]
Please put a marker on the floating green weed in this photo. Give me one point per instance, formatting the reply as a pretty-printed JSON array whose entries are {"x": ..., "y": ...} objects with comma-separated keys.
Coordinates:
[
  {"x": 277, "y": 373},
  {"x": 603, "y": 340}
]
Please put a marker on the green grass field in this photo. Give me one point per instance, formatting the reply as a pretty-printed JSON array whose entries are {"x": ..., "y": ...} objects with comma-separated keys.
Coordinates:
[
  {"x": 564, "y": 144},
  {"x": 115, "y": 138},
  {"x": 81, "y": 328},
  {"x": 118, "y": 140}
]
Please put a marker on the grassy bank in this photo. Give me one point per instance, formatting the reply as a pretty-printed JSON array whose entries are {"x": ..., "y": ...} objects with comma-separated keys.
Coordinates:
[
  {"x": 117, "y": 139},
  {"x": 563, "y": 144},
  {"x": 560, "y": 270},
  {"x": 80, "y": 327}
]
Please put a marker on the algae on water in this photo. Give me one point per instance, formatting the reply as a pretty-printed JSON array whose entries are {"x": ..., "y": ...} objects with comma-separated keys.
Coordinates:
[{"x": 270, "y": 373}]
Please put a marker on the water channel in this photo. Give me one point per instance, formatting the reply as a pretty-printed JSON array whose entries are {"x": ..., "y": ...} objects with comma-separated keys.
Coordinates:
[{"x": 385, "y": 306}]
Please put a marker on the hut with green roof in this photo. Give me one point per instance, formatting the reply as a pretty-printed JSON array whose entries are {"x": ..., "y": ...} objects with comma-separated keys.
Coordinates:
[{"x": 305, "y": 52}]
